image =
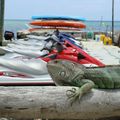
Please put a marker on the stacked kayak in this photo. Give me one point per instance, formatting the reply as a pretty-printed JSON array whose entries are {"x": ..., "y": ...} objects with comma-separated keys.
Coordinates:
[{"x": 57, "y": 22}]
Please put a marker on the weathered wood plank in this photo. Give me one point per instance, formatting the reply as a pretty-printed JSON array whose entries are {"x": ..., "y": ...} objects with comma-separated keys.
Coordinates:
[{"x": 52, "y": 103}]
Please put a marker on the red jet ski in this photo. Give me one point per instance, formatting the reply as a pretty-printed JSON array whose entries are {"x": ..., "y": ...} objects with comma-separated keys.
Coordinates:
[{"x": 69, "y": 51}]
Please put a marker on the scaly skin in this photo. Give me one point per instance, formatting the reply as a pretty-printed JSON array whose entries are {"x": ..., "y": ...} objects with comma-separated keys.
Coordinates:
[{"x": 68, "y": 73}]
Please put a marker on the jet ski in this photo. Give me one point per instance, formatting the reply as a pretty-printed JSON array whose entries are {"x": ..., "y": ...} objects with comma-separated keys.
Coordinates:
[
  {"x": 29, "y": 42},
  {"x": 29, "y": 49},
  {"x": 30, "y": 53},
  {"x": 24, "y": 72},
  {"x": 73, "y": 55},
  {"x": 33, "y": 70},
  {"x": 63, "y": 47},
  {"x": 12, "y": 78},
  {"x": 29, "y": 67},
  {"x": 67, "y": 48}
]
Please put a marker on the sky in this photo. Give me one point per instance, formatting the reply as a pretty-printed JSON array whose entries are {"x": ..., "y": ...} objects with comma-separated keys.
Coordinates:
[{"x": 89, "y": 9}]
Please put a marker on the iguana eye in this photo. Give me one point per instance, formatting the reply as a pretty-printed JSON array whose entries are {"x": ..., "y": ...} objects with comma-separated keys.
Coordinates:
[{"x": 62, "y": 73}]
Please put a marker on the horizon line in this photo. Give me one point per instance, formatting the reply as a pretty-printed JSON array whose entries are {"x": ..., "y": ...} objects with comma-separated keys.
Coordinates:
[{"x": 84, "y": 21}]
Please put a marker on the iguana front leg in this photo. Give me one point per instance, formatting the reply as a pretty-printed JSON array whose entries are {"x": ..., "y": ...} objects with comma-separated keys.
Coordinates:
[{"x": 85, "y": 86}]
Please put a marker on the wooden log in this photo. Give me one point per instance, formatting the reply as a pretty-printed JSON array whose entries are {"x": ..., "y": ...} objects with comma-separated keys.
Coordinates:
[{"x": 52, "y": 103}]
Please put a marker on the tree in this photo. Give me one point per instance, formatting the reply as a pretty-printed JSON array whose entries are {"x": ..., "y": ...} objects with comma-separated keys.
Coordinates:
[{"x": 1, "y": 20}]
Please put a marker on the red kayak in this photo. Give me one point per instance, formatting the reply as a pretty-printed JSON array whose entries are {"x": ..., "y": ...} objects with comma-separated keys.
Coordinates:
[{"x": 58, "y": 23}]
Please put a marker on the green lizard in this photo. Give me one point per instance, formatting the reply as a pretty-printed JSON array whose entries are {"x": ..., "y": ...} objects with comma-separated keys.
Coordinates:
[{"x": 68, "y": 73}]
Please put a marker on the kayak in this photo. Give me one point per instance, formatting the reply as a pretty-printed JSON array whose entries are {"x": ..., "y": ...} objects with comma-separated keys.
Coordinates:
[
  {"x": 58, "y": 23},
  {"x": 72, "y": 18}
]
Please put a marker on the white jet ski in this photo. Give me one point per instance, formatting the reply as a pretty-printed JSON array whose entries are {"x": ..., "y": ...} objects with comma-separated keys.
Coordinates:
[
  {"x": 31, "y": 67},
  {"x": 16, "y": 79},
  {"x": 28, "y": 42},
  {"x": 24, "y": 72},
  {"x": 30, "y": 53},
  {"x": 24, "y": 47},
  {"x": 39, "y": 38}
]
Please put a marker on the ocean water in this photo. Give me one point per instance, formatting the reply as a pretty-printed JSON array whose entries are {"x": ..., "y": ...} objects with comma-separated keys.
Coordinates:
[
  {"x": 102, "y": 26},
  {"x": 16, "y": 25}
]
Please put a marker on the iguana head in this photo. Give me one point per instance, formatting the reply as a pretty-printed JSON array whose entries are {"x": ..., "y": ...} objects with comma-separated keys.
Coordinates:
[{"x": 63, "y": 72}]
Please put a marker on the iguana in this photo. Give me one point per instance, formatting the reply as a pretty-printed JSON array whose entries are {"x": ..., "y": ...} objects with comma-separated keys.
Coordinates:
[{"x": 68, "y": 73}]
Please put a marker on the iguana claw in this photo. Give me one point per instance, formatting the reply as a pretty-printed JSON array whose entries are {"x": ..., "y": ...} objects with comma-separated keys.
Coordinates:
[
  {"x": 74, "y": 94},
  {"x": 71, "y": 92}
]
